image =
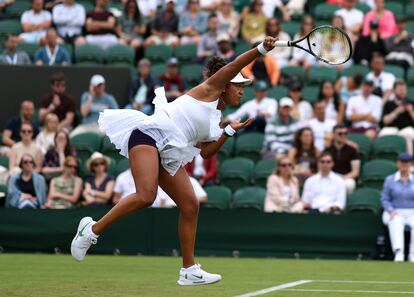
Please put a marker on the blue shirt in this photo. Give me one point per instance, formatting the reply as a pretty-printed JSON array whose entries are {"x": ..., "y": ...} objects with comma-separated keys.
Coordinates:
[
  {"x": 199, "y": 23},
  {"x": 62, "y": 56},
  {"x": 396, "y": 193},
  {"x": 106, "y": 101}
]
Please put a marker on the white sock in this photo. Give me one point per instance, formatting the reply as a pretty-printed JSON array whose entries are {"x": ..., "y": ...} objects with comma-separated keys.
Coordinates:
[
  {"x": 191, "y": 267},
  {"x": 89, "y": 230}
]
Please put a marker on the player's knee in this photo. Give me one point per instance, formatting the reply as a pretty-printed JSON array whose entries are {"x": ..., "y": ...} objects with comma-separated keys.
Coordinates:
[
  {"x": 147, "y": 195},
  {"x": 190, "y": 207}
]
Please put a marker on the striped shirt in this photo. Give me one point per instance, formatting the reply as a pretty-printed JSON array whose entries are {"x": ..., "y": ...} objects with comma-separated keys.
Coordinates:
[{"x": 279, "y": 135}]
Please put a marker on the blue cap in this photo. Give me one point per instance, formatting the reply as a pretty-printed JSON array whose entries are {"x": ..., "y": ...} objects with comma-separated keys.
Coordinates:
[{"x": 404, "y": 157}]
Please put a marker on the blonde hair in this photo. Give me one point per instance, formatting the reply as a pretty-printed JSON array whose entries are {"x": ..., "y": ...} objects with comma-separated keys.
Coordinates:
[{"x": 51, "y": 117}]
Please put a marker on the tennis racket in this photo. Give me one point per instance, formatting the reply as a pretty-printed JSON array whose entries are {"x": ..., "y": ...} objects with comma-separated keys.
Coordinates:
[{"x": 327, "y": 43}]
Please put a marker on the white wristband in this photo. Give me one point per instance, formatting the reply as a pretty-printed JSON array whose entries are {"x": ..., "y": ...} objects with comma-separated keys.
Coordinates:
[
  {"x": 262, "y": 49},
  {"x": 228, "y": 130}
]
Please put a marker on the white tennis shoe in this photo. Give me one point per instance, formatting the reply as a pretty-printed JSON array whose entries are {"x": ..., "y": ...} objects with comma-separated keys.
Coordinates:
[
  {"x": 83, "y": 239},
  {"x": 194, "y": 275}
]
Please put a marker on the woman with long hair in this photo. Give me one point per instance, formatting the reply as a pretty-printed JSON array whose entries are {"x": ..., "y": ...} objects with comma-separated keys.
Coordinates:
[
  {"x": 45, "y": 138},
  {"x": 254, "y": 22},
  {"x": 131, "y": 26},
  {"x": 300, "y": 57},
  {"x": 334, "y": 108}
]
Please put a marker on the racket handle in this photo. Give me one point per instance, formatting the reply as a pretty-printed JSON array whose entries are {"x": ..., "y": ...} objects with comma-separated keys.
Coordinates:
[{"x": 282, "y": 43}]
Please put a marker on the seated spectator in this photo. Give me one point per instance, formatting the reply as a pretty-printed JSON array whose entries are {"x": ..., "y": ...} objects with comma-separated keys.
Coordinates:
[
  {"x": 164, "y": 28},
  {"x": 35, "y": 23},
  {"x": 282, "y": 189},
  {"x": 304, "y": 154},
  {"x": 269, "y": 7},
  {"x": 26, "y": 189},
  {"x": 100, "y": 26},
  {"x": 280, "y": 130},
  {"x": 50, "y": 4},
  {"x": 132, "y": 26},
  {"x": 300, "y": 57},
  {"x": 25, "y": 146},
  {"x": 384, "y": 17},
  {"x": 364, "y": 111},
  {"x": 398, "y": 115},
  {"x": 353, "y": 18},
  {"x": 98, "y": 188},
  {"x": 228, "y": 19},
  {"x": 11, "y": 132},
  {"x": 124, "y": 186},
  {"x": 142, "y": 89},
  {"x": 321, "y": 126},
  {"x": 208, "y": 46},
  {"x": 383, "y": 81},
  {"x": 348, "y": 86},
  {"x": 334, "y": 107},
  {"x": 260, "y": 109},
  {"x": 148, "y": 9},
  {"x": 338, "y": 21},
  {"x": 54, "y": 159},
  {"x": 225, "y": 50},
  {"x": 46, "y": 138},
  {"x": 345, "y": 157},
  {"x": 203, "y": 170},
  {"x": 69, "y": 19},
  {"x": 325, "y": 191},
  {"x": 302, "y": 110},
  {"x": 254, "y": 22},
  {"x": 192, "y": 23},
  {"x": 58, "y": 102},
  {"x": 173, "y": 84},
  {"x": 3, "y": 6},
  {"x": 367, "y": 45},
  {"x": 92, "y": 103},
  {"x": 52, "y": 53},
  {"x": 280, "y": 54},
  {"x": 65, "y": 190},
  {"x": 400, "y": 46},
  {"x": 10, "y": 55}
]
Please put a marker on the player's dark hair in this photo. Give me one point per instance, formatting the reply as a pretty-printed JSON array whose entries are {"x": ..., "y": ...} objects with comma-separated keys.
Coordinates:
[{"x": 213, "y": 65}]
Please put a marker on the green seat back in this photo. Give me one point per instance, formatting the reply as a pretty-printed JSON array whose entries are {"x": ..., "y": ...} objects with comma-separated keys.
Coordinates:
[
  {"x": 240, "y": 4},
  {"x": 158, "y": 69},
  {"x": 277, "y": 92},
  {"x": 364, "y": 200},
  {"x": 410, "y": 93},
  {"x": 226, "y": 150},
  {"x": 362, "y": 7},
  {"x": 4, "y": 161},
  {"x": 375, "y": 171},
  {"x": 236, "y": 173},
  {"x": 294, "y": 71},
  {"x": 319, "y": 74},
  {"x": 310, "y": 94},
  {"x": 409, "y": 11},
  {"x": 10, "y": 27},
  {"x": 248, "y": 94},
  {"x": 89, "y": 54},
  {"x": 249, "y": 145},
  {"x": 410, "y": 26},
  {"x": 262, "y": 171},
  {"x": 110, "y": 150},
  {"x": 389, "y": 146},
  {"x": 249, "y": 197},
  {"x": 241, "y": 47},
  {"x": 354, "y": 69},
  {"x": 228, "y": 110},
  {"x": 88, "y": 5},
  {"x": 364, "y": 143},
  {"x": 396, "y": 70},
  {"x": 325, "y": 11},
  {"x": 410, "y": 76},
  {"x": 69, "y": 49},
  {"x": 112, "y": 167},
  {"x": 218, "y": 197},
  {"x": 29, "y": 48},
  {"x": 396, "y": 7},
  {"x": 291, "y": 28},
  {"x": 158, "y": 53},
  {"x": 118, "y": 53},
  {"x": 122, "y": 165},
  {"x": 192, "y": 74},
  {"x": 17, "y": 8},
  {"x": 186, "y": 53},
  {"x": 89, "y": 140}
]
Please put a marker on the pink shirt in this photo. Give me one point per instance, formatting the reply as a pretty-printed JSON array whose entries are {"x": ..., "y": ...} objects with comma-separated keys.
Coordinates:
[{"x": 387, "y": 25}]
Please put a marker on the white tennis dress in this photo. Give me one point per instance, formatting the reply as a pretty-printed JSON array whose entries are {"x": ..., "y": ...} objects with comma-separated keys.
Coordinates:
[{"x": 176, "y": 127}]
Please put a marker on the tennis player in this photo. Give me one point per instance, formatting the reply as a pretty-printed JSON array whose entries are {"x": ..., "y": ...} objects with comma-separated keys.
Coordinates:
[{"x": 158, "y": 146}]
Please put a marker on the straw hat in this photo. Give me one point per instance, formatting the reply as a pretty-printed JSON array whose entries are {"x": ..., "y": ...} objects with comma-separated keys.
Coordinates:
[{"x": 97, "y": 156}]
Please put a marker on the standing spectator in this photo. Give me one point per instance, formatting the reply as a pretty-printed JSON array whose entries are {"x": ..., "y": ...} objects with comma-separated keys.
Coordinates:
[
  {"x": 208, "y": 44},
  {"x": 10, "y": 55},
  {"x": 25, "y": 146},
  {"x": 385, "y": 19},
  {"x": 173, "y": 84},
  {"x": 282, "y": 189},
  {"x": 124, "y": 186},
  {"x": 321, "y": 126},
  {"x": 300, "y": 57},
  {"x": 280, "y": 130},
  {"x": 364, "y": 111},
  {"x": 192, "y": 23},
  {"x": 131, "y": 26},
  {"x": 353, "y": 18},
  {"x": 65, "y": 190},
  {"x": 383, "y": 81},
  {"x": 334, "y": 107},
  {"x": 3, "y": 6},
  {"x": 35, "y": 23},
  {"x": 46, "y": 138},
  {"x": 58, "y": 102},
  {"x": 302, "y": 110},
  {"x": 325, "y": 191},
  {"x": 225, "y": 50},
  {"x": 52, "y": 53},
  {"x": 348, "y": 86},
  {"x": 28, "y": 188},
  {"x": 69, "y": 19},
  {"x": 92, "y": 103},
  {"x": 142, "y": 89},
  {"x": 203, "y": 170},
  {"x": 11, "y": 132},
  {"x": 164, "y": 29},
  {"x": 400, "y": 46},
  {"x": 397, "y": 201},
  {"x": 345, "y": 157},
  {"x": 98, "y": 188},
  {"x": 228, "y": 19},
  {"x": 367, "y": 45},
  {"x": 261, "y": 109},
  {"x": 254, "y": 22},
  {"x": 280, "y": 54},
  {"x": 398, "y": 115}
]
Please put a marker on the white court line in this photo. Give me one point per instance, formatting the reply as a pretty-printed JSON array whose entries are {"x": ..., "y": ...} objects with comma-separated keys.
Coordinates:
[
  {"x": 276, "y": 288},
  {"x": 362, "y": 282},
  {"x": 350, "y": 291}
]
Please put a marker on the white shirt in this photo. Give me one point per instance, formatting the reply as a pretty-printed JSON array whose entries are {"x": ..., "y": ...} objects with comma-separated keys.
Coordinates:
[
  {"x": 45, "y": 141},
  {"x": 351, "y": 17},
  {"x": 69, "y": 19},
  {"x": 385, "y": 80},
  {"x": 320, "y": 130},
  {"x": 252, "y": 107},
  {"x": 125, "y": 184},
  {"x": 199, "y": 169},
  {"x": 360, "y": 105},
  {"x": 35, "y": 18},
  {"x": 146, "y": 7},
  {"x": 269, "y": 7},
  {"x": 305, "y": 111},
  {"x": 325, "y": 192},
  {"x": 330, "y": 111}
]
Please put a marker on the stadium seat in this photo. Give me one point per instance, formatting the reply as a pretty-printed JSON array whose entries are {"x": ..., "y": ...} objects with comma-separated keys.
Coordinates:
[
  {"x": 228, "y": 110},
  {"x": 218, "y": 197},
  {"x": 226, "y": 150},
  {"x": 325, "y": 11},
  {"x": 249, "y": 197},
  {"x": 240, "y": 4},
  {"x": 69, "y": 48},
  {"x": 294, "y": 71},
  {"x": 354, "y": 69},
  {"x": 86, "y": 144},
  {"x": 291, "y": 28},
  {"x": 120, "y": 54},
  {"x": 241, "y": 47},
  {"x": 317, "y": 75},
  {"x": 395, "y": 7},
  {"x": 186, "y": 53},
  {"x": 248, "y": 94},
  {"x": 396, "y": 70},
  {"x": 192, "y": 74},
  {"x": 409, "y": 11},
  {"x": 112, "y": 167},
  {"x": 236, "y": 173},
  {"x": 10, "y": 27},
  {"x": 410, "y": 93},
  {"x": 410, "y": 26},
  {"x": 121, "y": 165},
  {"x": 364, "y": 143},
  {"x": 17, "y": 8},
  {"x": 375, "y": 171},
  {"x": 108, "y": 149},
  {"x": 4, "y": 161},
  {"x": 277, "y": 92},
  {"x": 158, "y": 53},
  {"x": 410, "y": 77},
  {"x": 89, "y": 54},
  {"x": 158, "y": 69},
  {"x": 362, "y": 7},
  {"x": 88, "y": 5},
  {"x": 388, "y": 147},
  {"x": 3, "y": 193},
  {"x": 310, "y": 94},
  {"x": 262, "y": 171},
  {"x": 364, "y": 200},
  {"x": 249, "y": 145},
  {"x": 29, "y": 48}
]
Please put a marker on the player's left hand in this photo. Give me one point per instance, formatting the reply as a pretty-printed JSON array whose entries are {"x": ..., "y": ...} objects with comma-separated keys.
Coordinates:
[
  {"x": 269, "y": 42},
  {"x": 237, "y": 125}
]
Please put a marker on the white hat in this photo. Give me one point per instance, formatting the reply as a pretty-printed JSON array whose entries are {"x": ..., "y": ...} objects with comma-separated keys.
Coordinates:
[
  {"x": 240, "y": 79},
  {"x": 97, "y": 79},
  {"x": 223, "y": 37},
  {"x": 97, "y": 156},
  {"x": 286, "y": 101}
]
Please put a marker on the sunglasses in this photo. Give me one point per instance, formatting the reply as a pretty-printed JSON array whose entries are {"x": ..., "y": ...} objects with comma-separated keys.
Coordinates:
[
  {"x": 71, "y": 166},
  {"x": 342, "y": 133},
  {"x": 28, "y": 162},
  {"x": 325, "y": 161},
  {"x": 26, "y": 131},
  {"x": 286, "y": 165},
  {"x": 98, "y": 163}
]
